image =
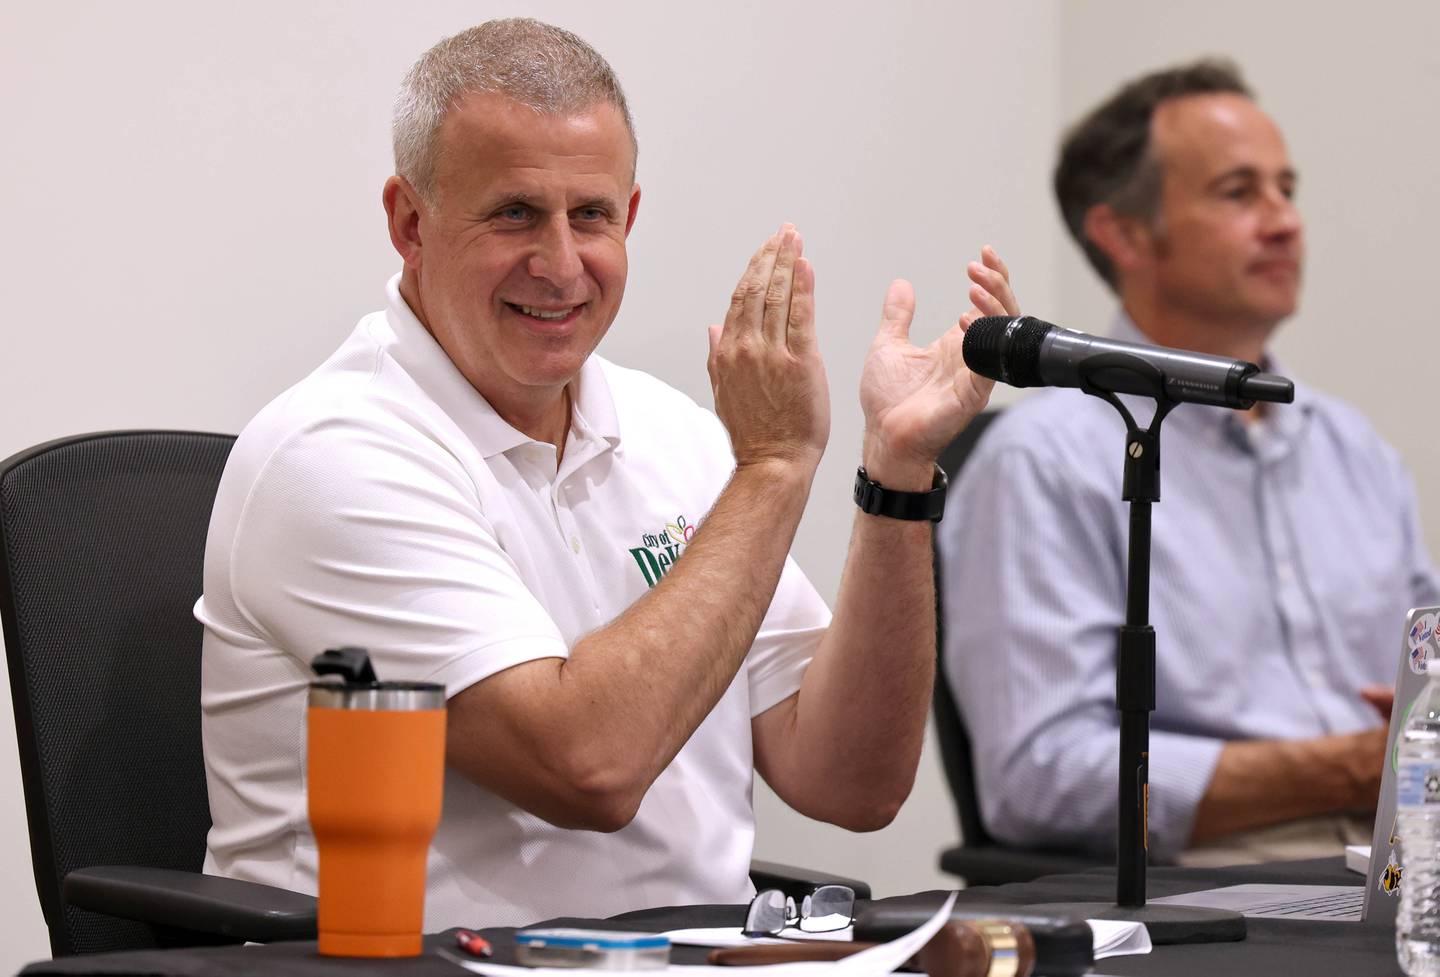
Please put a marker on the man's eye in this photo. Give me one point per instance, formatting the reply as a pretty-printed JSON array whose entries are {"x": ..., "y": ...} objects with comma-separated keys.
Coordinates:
[
  {"x": 590, "y": 215},
  {"x": 514, "y": 215}
]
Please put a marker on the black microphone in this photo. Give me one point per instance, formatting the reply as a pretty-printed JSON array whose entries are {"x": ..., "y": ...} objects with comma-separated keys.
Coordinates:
[{"x": 1026, "y": 352}]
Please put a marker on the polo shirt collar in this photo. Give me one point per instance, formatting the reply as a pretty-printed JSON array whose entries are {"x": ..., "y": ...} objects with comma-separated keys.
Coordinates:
[
  {"x": 593, "y": 414},
  {"x": 417, "y": 352},
  {"x": 1271, "y": 438}
]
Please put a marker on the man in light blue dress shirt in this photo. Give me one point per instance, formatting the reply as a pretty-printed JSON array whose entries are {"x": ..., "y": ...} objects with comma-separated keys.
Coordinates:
[{"x": 1286, "y": 548}]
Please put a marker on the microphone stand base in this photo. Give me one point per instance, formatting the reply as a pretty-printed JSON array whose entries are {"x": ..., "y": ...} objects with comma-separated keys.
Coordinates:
[{"x": 1167, "y": 924}]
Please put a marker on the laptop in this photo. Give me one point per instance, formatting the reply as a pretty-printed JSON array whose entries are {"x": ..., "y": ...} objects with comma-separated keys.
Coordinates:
[{"x": 1374, "y": 902}]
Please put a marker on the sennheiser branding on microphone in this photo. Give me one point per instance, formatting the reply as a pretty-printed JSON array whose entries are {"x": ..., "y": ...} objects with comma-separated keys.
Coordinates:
[{"x": 1026, "y": 352}]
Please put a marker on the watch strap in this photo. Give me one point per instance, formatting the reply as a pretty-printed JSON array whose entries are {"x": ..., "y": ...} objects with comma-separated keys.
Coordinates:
[{"x": 877, "y": 500}]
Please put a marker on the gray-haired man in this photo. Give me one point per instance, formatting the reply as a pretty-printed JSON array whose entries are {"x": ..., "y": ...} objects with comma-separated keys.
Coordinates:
[{"x": 571, "y": 547}]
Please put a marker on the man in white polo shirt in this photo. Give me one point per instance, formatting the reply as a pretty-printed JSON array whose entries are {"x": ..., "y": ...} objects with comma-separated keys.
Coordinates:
[{"x": 595, "y": 567}]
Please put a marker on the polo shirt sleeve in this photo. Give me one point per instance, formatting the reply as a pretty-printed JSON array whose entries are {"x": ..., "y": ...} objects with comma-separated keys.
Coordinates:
[
  {"x": 788, "y": 636},
  {"x": 365, "y": 532}
]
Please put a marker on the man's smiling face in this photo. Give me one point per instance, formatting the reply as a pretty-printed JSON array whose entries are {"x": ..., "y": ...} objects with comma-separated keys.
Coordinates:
[{"x": 522, "y": 261}]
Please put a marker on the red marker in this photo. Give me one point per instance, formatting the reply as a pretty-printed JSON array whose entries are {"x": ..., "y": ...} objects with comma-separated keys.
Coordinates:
[{"x": 473, "y": 943}]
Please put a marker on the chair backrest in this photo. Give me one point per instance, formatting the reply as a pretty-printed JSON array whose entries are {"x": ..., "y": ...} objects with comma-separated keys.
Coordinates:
[
  {"x": 102, "y": 539},
  {"x": 949, "y": 723}
]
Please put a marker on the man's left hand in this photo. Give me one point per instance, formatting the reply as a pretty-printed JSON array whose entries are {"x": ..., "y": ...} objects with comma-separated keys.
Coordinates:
[{"x": 917, "y": 399}]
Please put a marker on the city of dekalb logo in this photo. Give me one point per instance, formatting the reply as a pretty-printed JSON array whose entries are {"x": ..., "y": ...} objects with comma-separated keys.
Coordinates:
[{"x": 658, "y": 552}]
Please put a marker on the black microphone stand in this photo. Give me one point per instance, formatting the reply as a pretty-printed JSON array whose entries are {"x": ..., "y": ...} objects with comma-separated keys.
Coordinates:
[
  {"x": 1135, "y": 660},
  {"x": 1135, "y": 681}
]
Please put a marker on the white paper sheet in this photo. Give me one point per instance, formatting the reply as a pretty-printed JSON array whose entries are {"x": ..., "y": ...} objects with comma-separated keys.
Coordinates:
[
  {"x": 1113, "y": 937},
  {"x": 1119, "y": 937},
  {"x": 1357, "y": 858},
  {"x": 874, "y": 962}
]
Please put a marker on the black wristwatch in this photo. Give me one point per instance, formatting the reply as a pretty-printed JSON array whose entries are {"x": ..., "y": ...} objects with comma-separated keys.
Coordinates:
[{"x": 874, "y": 498}]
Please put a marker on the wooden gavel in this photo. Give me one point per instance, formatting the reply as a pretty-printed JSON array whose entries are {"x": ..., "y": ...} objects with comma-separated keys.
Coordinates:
[{"x": 960, "y": 948}]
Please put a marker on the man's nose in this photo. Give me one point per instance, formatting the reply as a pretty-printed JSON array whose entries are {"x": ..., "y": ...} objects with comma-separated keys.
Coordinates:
[
  {"x": 1282, "y": 217},
  {"x": 556, "y": 259}
]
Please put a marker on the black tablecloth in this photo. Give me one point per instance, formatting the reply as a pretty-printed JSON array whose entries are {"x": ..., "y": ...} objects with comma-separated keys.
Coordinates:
[
  {"x": 299, "y": 957},
  {"x": 1272, "y": 947}
]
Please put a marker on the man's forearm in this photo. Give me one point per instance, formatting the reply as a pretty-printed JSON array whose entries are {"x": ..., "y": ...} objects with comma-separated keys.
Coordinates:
[
  {"x": 596, "y": 729},
  {"x": 867, "y": 693},
  {"x": 722, "y": 586},
  {"x": 1263, "y": 782}
]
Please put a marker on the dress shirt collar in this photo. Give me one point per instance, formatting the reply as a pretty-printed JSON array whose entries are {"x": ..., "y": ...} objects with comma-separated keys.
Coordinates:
[
  {"x": 593, "y": 408},
  {"x": 1271, "y": 438}
]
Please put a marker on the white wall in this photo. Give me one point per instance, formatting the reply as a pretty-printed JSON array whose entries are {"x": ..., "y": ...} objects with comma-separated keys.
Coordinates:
[{"x": 191, "y": 204}]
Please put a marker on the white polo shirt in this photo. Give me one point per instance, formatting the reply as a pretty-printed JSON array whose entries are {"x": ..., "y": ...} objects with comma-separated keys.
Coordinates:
[{"x": 381, "y": 502}]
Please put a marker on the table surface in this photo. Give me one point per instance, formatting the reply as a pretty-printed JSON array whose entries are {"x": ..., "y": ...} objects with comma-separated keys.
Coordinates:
[{"x": 1272, "y": 947}]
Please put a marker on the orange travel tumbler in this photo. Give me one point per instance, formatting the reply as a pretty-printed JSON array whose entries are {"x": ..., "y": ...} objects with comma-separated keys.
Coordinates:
[{"x": 376, "y": 774}]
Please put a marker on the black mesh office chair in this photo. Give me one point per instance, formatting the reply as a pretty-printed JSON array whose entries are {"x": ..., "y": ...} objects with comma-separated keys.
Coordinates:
[
  {"x": 102, "y": 538},
  {"x": 979, "y": 859},
  {"x": 101, "y": 542}
]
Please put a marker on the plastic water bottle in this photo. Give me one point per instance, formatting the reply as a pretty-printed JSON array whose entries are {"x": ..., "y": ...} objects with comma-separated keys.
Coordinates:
[{"x": 1417, "y": 809}]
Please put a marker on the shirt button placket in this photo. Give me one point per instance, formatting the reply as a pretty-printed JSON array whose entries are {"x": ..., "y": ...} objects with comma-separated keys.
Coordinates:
[{"x": 564, "y": 517}]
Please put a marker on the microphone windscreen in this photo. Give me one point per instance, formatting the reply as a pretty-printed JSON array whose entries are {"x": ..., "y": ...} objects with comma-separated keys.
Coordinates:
[
  {"x": 1006, "y": 349},
  {"x": 1267, "y": 387}
]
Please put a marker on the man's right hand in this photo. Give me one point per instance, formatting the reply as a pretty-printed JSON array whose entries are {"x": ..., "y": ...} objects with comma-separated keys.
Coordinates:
[{"x": 765, "y": 368}]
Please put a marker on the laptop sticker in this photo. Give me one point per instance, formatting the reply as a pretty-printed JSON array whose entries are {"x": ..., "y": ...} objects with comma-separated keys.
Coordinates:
[
  {"x": 1421, "y": 649},
  {"x": 1390, "y": 878}
]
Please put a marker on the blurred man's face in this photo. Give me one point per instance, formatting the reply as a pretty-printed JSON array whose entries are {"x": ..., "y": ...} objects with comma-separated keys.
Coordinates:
[
  {"x": 523, "y": 262},
  {"x": 1227, "y": 242}
]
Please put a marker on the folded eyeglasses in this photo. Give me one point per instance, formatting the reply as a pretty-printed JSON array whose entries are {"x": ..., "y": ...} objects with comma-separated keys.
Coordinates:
[{"x": 827, "y": 909}]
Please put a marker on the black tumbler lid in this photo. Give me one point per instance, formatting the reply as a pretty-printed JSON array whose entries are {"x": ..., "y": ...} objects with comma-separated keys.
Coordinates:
[
  {"x": 350, "y": 663},
  {"x": 358, "y": 687}
]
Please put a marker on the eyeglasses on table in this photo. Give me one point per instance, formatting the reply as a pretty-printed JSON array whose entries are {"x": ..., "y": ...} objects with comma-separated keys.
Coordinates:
[{"x": 827, "y": 909}]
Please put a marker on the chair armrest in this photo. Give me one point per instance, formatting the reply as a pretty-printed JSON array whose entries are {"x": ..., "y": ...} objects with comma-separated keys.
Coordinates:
[
  {"x": 191, "y": 901},
  {"x": 797, "y": 882}
]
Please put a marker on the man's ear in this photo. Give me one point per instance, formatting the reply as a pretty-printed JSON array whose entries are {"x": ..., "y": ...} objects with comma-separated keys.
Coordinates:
[
  {"x": 403, "y": 208},
  {"x": 1127, "y": 241},
  {"x": 634, "y": 209}
]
